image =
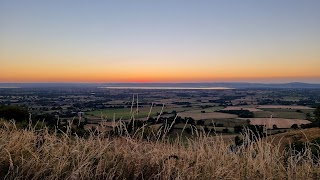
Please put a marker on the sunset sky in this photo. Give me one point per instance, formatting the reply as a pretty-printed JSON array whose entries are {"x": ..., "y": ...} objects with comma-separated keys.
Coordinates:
[{"x": 160, "y": 41}]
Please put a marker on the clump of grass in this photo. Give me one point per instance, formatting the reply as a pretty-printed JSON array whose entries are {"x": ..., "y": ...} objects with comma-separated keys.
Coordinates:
[{"x": 40, "y": 154}]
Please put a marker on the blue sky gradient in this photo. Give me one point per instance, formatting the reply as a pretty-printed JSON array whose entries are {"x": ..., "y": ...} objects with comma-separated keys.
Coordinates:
[{"x": 132, "y": 39}]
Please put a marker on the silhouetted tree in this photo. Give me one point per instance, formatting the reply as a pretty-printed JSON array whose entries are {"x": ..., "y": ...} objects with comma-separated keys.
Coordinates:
[
  {"x": 48, "y": 118},
  {"x": 256, "y": 132},
  {"x": 200, "y": 122},
  {"x": 190, "y": 120},
  {"x": 317, "y": 116},
  {"x": 14, "y": 112},
  {"x": 226, "y": 130},
  {"x": 274, "y": 126},
  {"x": 294, "y": 126},
  {"x": 238, "y": 141},
  {"x": 238, "y": 129}
]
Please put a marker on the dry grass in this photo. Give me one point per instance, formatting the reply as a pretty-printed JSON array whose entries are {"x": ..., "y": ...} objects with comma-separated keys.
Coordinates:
[
  {"x": 304, "y": 135},
  {"x": 31, "y": 154}
]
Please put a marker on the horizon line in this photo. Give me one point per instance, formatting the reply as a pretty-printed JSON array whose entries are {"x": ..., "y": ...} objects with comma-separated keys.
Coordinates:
[{"x": 160, "y": 82}]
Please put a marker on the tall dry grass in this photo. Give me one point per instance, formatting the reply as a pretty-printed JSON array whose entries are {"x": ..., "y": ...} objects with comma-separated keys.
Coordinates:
[{"x": 34, "y": 154}]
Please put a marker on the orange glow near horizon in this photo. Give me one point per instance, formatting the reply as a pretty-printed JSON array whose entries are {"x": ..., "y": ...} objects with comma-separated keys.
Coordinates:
[
  {"x": 46, "y": 66},
  {"x": 77, "y": 73}
]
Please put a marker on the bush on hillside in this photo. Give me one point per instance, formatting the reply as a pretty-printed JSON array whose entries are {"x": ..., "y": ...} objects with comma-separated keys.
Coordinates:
[
  {"x": 17, "y": 113},
  {"x": 240, "y": 113}
]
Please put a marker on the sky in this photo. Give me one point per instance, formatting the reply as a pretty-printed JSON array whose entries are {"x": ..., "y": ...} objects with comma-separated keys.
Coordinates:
[{"x": 160, "y": 41}]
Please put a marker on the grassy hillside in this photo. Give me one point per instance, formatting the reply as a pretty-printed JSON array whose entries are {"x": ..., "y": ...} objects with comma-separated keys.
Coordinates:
[
  {"x": 38, "y": 154},
  {"x": 303, "y": 135}
]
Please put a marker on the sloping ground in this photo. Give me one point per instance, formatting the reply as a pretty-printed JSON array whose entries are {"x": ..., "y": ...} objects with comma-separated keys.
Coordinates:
[
  {"x": 30, "y": 154},
  {"x": 304, "y": 135},
  {"x": 280, "y": 122}
]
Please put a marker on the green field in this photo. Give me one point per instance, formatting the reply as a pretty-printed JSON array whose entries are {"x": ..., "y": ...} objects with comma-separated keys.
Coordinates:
[
  {"x": 180, "y": 109},
  {"x": 281, "y": 113},
  {"x": 287, "y": 110},
  {"x": 210, "y": 109},
  {"x": 124, "y": 113}
]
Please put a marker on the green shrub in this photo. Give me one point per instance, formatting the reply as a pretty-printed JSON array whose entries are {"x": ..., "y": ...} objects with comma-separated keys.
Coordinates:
[{"x": 14, "y": 112}]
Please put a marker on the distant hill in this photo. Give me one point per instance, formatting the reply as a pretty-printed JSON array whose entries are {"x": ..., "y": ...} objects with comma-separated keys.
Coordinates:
[
  {"x": 237, "y": 85},
  {"x": 217, "y": 84}
]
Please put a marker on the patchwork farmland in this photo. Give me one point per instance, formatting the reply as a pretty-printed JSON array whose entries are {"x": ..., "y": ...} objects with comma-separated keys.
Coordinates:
[{"x": 218, "y": 110}]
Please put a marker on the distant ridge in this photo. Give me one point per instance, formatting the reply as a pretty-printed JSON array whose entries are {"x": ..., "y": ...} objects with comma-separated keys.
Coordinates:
[
  {"x": 218, "y": 84},
  {"x": 237, "y": 85}
]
